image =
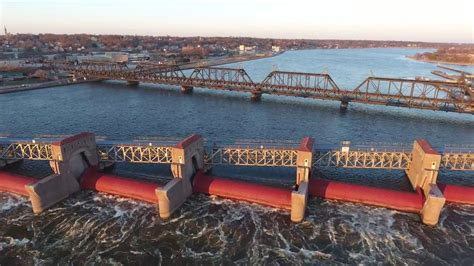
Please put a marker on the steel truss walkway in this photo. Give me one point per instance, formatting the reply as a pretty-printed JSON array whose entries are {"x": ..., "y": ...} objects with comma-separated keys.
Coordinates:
[{"x": 251, "y": 153}]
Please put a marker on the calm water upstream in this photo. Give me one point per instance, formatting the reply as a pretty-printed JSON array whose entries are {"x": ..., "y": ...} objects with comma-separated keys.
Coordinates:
[{"x": 103, "y": 229}]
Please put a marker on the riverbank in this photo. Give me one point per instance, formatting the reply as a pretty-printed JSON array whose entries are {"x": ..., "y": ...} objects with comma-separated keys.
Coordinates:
[
  {"x": 439, "y": 61},
  {"x": 42, "y": 85},
  {"x": 227, "y": 60}
]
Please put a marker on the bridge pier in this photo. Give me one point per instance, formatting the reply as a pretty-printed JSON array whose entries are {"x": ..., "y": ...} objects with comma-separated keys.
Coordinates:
[
  {"x": 256, "y": 96},
  {"x": 133, "y": 82},
  {"x": 71, "y": 157},
  {"x": 423, "y": 174},
  {"x": 187, "y": 89},
  {"x": 344, "y": 105},
  {"x": 187, "y": 160},
  {"x": 299, "y": 197}
]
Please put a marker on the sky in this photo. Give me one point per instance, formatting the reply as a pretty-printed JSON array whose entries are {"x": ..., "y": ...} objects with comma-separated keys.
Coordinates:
[{"x": 408, "y": 20}]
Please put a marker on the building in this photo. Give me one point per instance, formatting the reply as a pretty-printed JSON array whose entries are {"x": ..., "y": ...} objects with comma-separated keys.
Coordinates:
[
  {"x": 117, "y": 57},
  {"x": 113, "y": 57},
  {"x": 276, "y": 49},
  {"x": 194, "y": 51},
  {"x": 137, "y": 57},
  {"x": 247, "y": 49}
]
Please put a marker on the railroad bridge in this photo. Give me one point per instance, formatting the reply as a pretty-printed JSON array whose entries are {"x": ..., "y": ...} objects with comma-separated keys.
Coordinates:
[
  {"x": 75, "y": 161},
  {"x": 409, "y": 93}
]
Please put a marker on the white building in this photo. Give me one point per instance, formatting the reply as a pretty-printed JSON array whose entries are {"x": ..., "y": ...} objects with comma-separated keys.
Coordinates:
[
  {"x": 247, "y": 49},
  {"x": 114, "y": 57}
]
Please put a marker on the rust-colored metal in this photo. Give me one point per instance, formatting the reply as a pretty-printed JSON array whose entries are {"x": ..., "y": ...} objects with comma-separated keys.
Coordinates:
[{"x": 410, "y": 93}]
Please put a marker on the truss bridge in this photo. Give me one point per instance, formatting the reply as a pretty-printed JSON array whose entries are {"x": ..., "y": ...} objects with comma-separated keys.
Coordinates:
[{"x": 409, "y": 93}]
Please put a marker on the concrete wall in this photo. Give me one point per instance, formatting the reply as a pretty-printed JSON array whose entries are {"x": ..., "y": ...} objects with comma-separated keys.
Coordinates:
[
  {"x": 299, "y": 200},
  {"x": 172, "y": 196},
  {"x": 67, "y": 154},
  {"x": 423, "y": 169},
  {"x": 304, "y": 160},
  {"x": 432, "y": 206},
  {"x": 187, "y": 159},
  {"x": 51, "y": 190},
  {"x": 182, "y": 156},
  {"x": 71, "y": 156},
  {"x": 423, "y": 173}
]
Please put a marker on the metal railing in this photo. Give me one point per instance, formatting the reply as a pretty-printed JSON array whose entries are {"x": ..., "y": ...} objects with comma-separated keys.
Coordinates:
[
  {"x": 268, "y": 153},
  {"x": 28, "y": 150},
  {"x": 136, "y": 152}
]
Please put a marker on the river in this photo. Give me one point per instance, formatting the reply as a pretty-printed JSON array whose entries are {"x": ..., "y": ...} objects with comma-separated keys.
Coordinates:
[{"x": 96, "y": 228}]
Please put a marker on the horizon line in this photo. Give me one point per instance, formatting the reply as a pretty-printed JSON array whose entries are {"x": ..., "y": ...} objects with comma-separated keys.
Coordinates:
[{"x": 236, "y": 36}]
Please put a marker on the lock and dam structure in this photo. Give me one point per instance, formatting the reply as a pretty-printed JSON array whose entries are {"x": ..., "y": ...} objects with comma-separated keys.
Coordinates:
[{"x": 79, "y": 161}]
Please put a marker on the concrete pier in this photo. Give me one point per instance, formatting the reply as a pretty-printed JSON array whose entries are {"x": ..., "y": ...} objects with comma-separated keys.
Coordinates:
[
  {"x": 299, "y": 200},
  {"x": 344, "y": 105},
  {"x": 256, "y": 96},
  {"x": 299, "y": 197},
  {"x": 188, "y": 159},
  {"x": 187, "y": 89},
  {"x": 71, "y": 157},
  {"x": 423, "y": 173},
  {"x": 424, "y": 167},
  {"x": 432, "y": 206},
  {"x": 132, "y": 83},
  {"x": 304, "y": 160}
]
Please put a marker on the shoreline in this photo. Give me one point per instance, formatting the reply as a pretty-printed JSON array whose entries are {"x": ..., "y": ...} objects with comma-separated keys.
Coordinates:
[
  {"x": 440, "y": 62},
  {"x": 43, "y": 85},
  {"x": 227, "y": 60},
  {"x": 66, "y": 82}
]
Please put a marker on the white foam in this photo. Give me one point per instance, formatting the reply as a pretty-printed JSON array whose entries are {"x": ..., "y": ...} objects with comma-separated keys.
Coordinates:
[
  {"x": 6, "y": 242},
  {"x": 11, "y": 201}
]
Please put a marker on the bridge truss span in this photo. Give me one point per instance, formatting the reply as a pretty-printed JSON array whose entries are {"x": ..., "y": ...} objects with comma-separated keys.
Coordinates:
[
  {"x": 421, "y": 94},
  {"x": 457, "y": 160},
  {"x": 249, "y": 156},
  {"x": 26, "y": 150},
  {"x": 300, "y": 84},
  {"x": 220, "y": 77},
  {"x": 362, "y": 159},
  {"x": 90, "y": 69},
  {"x": 134, "y": 153},
  {"x": 158, "y": 72},
  {"x": 409, "y": 93}
]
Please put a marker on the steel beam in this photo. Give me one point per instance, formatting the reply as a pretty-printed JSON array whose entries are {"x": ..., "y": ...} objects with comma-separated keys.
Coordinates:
[
  {"x": 27, "y": 150},
  {"x": 419, "y": 94},
  {"x": 134, "y": 153}
]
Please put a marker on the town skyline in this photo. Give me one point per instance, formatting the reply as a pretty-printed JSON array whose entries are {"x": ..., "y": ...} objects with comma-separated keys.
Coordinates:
[{"x": 2, "y": 33}]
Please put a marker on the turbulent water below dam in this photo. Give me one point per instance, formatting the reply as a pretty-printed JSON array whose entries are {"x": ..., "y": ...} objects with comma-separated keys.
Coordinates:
[{"x": 95, "y": 228}]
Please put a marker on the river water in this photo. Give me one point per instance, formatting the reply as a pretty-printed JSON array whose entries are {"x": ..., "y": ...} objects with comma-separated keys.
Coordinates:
[{"x": 96, "y": 228}]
